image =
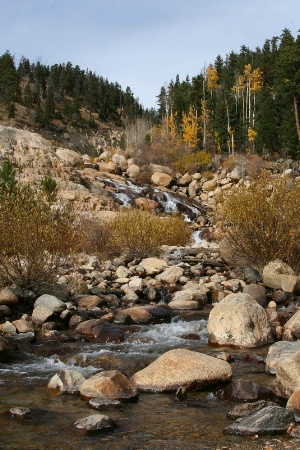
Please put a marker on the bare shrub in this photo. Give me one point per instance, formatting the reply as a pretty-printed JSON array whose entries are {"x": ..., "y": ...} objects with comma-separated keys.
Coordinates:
[
  {"x": 36, "y": 239},
  {"x": 261, "y": 223}
]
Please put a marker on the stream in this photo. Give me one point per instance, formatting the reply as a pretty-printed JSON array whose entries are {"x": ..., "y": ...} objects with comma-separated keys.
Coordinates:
[{"x": 155, "y": 421}]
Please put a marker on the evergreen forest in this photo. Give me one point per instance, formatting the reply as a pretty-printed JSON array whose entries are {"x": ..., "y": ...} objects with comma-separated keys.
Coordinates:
[{"x": 245, "y": 102}]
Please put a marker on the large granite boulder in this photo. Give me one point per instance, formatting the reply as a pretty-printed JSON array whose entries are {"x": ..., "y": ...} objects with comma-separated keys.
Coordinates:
[
  {"x": 51, "y": 302},
  {"x": 278, "y": 352},
  {"x": 238, "y": 320},
  {"x": 182, "y": 368}
]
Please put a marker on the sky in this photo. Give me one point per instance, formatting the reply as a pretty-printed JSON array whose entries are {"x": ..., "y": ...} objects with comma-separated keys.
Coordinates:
[{"x": 142, "y": 44}]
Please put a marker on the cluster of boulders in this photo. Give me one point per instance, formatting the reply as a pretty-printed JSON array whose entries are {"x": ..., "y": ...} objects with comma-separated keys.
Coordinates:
[{"x": 95, "y": 300}]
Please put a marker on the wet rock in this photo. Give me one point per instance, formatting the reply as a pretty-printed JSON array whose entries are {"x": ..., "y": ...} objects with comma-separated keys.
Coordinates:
[
  {"x": 179, "y": 368},
  {"x": 6, "y": 350},
  {"x": 245, "y": 409},
  {"x": 269, "y": 420},
  {"x": 245, "y": 391},
  {"x": 95, "y": 422},
  {"x": 138, "y": 315},
  {"x": 160, "y": 312},
  {"x": 238, "y": 320},
  {"x": 103, "y": 403},
  {"x": 5, "y": 311},
  {"x": 8, "y": 297},
  {"x": 287, "y": 376},
  {"x": 101, "y": 331},
  {"x": 279, "y": 351},
  {"x": 67, "y": 382},
  {"x": 50, "y": 302},
  {"x": 90, "y": 302},
  {"x": 109, "y": 384},
  {"x": 20, "y": 413},
  {"x": 256, "y": 291},
  {"x": 153, "y": 266}
]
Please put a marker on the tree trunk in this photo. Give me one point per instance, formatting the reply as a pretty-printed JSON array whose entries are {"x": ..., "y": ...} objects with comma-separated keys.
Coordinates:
[{"x": 297, "y": 117}]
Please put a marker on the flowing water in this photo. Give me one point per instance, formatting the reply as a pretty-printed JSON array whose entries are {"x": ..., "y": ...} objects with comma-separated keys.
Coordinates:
[{"x": 155, "y": 421}]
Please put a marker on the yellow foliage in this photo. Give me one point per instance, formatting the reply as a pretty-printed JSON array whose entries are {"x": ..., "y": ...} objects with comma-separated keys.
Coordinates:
[
  {"x": 212, "y": 77},
  {"x": 190, "y": 128}
]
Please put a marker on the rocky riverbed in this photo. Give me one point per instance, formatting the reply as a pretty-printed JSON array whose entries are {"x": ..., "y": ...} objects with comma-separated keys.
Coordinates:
[{"x": 187, "y": 350}]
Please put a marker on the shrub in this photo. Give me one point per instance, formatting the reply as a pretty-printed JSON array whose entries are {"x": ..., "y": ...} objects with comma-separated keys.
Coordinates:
[
  {"x": 35, "y": 238},
  {"x": 139, "y": 233},
  {"x": 49, "y": 188},
  {"x": 261, "y": 222},
  {"x": 192, "y": 162}
]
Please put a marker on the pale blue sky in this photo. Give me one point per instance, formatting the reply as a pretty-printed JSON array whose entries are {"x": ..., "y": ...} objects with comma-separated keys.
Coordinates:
[{"x": 140, "y": 43}]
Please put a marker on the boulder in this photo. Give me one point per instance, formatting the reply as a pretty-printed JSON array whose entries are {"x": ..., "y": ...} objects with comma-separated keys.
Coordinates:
[
  {"x": 70, "y": 157},
  {"x": 293, "y": 324},
  {"x": 287, "y": 376},
  {"x": 100, "y": 330},
  {"x": 171, "y": 274},
  {"x": 269, "y": 420},
  {"x": 133, "y": 171},
  {"x": 209, "y": 185},
  {"x": 184, "y": 304},
  {"x": 245, "y": 409},
  {"x": 67, "y": 382},
  {"x": 256, "y": 291},
  {"x": 161, "y": 169},
  {"x": 145, "y": 204},
  {"x": 238, "y": 320},
  {"x": 8, "y": 297},
  {"x": 153, "y": 265},
  {"x": 245, "y": 391},
  {"x": 41, "y": 314},
  {"x": 293, "y": 404},
  {"x": 278, "y": 352},
  {"x": 95, "y": 422},
  {"x": 194, "y": 188},
  {"x": 182, "y": 368},
  {"x": 50, "y": 302},
  {"x": 161, "y": 179},
  {"x": 109, "y": 384},
  {"x": 138, "y": 315},
  {"x": 90, "y": 302},
  {"x": 122, "y": 272},
  {"x": 23, "y": 326},
  {"x": 279, "y": 275},
  {"x": 237, "y": 173}
]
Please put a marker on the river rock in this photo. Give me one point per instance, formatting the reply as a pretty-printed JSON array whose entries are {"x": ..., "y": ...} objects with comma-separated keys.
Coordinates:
[
  {"x": 8, "y": 297},
  {"x": 245, "y": 391},
  {"x": 245, "y": 409},
  {"x": 182, "y": 368},
  {"x": 67, "y": 382},
  {"x": 138, "y": 315},
  {"x": 278, "y": 352},
  {"x": 287, "y": 376},
  {"x": 133, "y": 171},
  {"x": 238, "y": 320},
  {"x": 279, "y": 275},
  {"x": 293, "y": 324},
  {"x": 293, "y": 404},
  {"x": 184, "y": 304},
  {"x": 100, "y": 330},
  {"x": 256, "y": 291},
  {"x": 103, "y": 403},
  {"x": 109, "y": 384},
  {"x": 41, "y": 314},
  {"x": 136, "y": 284},
  {"x": 170, "y": 274},
  {"x": 161, "y": 179},
  {"x": 95, "y": 422},
  {"x": 269, "y": 420},
  {"x": 122, "y": 272},
  {"x": 50, "y": 302},
  {"x": 90, "y": 302},
  {"x": 153, "y": 265},
  {"x": 23, "y": 326},
  {"x": 160, "y": 169},
  {"x": 160, "y": 312}
]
